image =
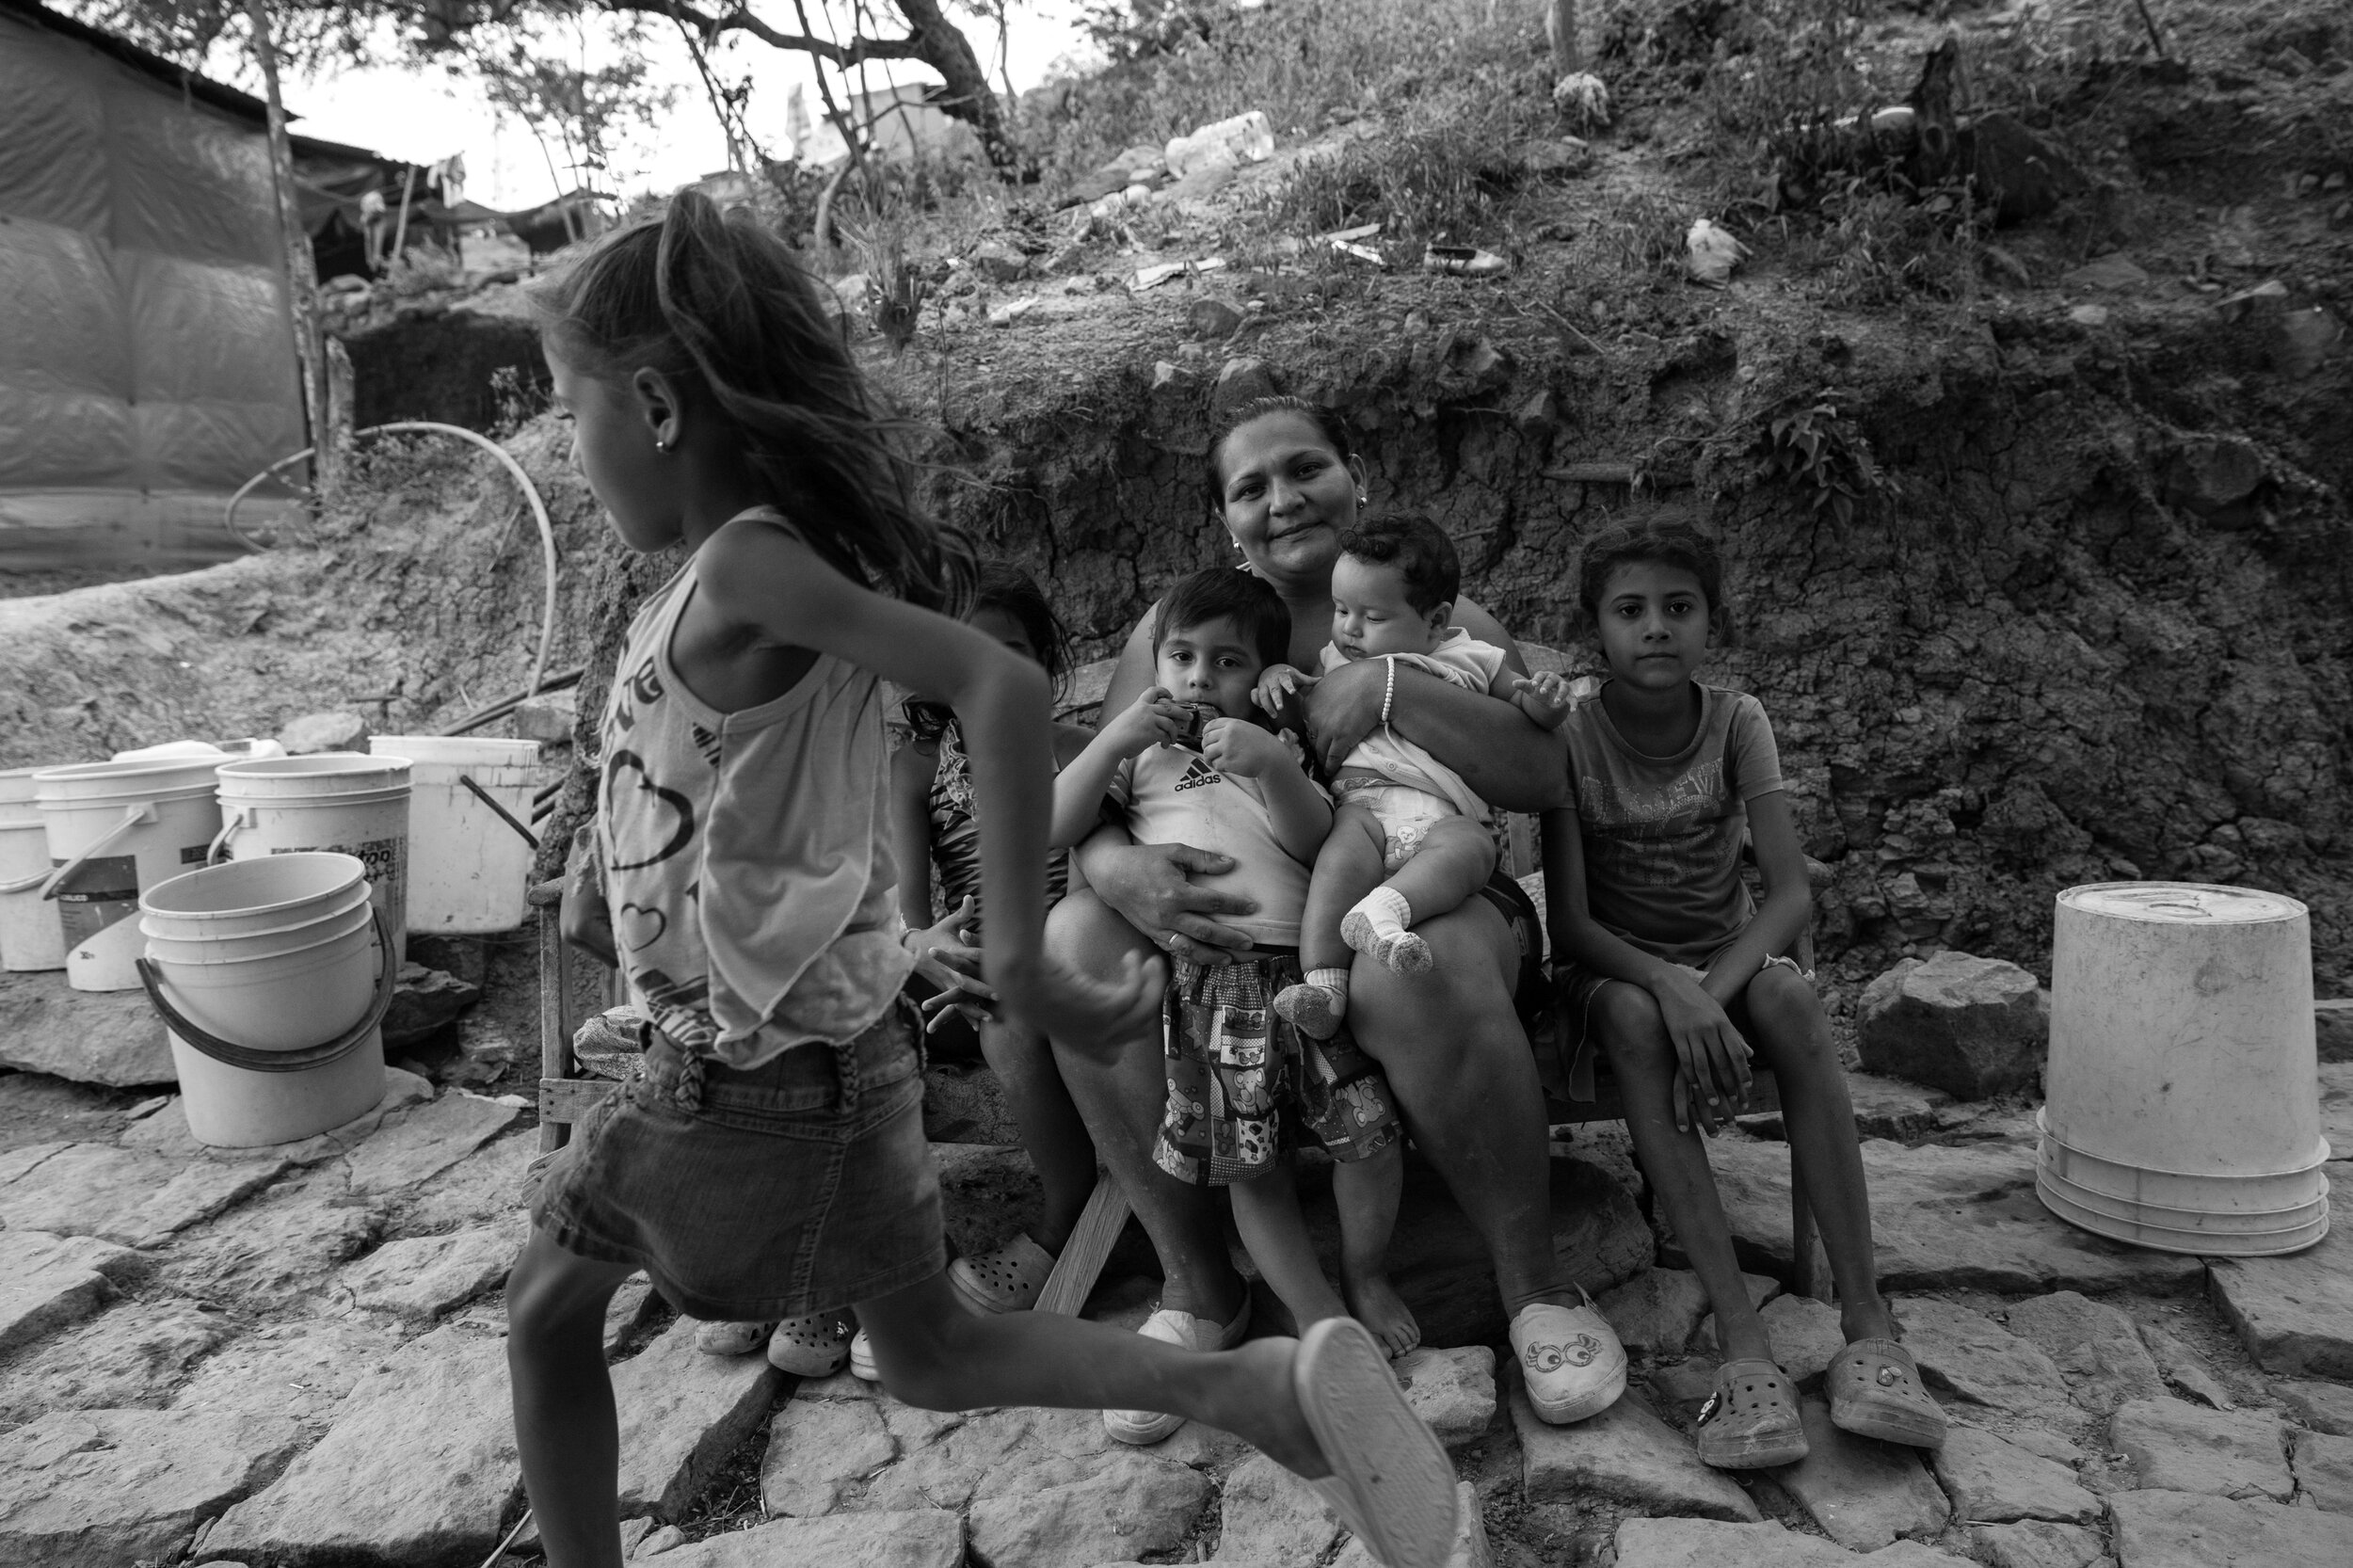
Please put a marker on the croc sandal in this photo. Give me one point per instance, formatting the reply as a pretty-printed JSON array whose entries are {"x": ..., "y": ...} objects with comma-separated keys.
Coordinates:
[
  {"x": 810, "y": 1347},
  {"x": 1171, "y": 1327},
  {"x": 1005, "y": 1280},
  {"x": 731, "y": 1339},
  {"x": 1750, "y": 1422},
  {"x": 1875, "y": 1391},
  {"x": 862, "y": 1358},
  {"x": 1570, "y": 1360},
  {"x": 1391, "y": 1483}
]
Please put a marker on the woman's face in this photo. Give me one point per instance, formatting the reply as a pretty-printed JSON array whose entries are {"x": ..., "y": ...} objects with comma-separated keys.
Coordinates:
[{"x": 1287, "y": 497}]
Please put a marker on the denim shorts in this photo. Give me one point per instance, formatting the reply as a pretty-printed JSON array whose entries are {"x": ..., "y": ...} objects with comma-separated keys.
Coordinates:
[
  {"x": 799, "y": 1186},
  {"x": 1580, "y": 1044}
]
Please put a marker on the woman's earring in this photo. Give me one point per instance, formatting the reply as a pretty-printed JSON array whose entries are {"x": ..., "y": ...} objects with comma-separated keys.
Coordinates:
[{"x": 1362, "y": 500}]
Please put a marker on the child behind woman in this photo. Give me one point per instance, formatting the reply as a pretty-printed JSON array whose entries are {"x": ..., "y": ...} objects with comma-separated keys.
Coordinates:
[
  {"x": 1667, "y": 964},
  {"x": 768, "y": 1160},
  {"x": 1242, "y": 1085},
  {"x": 1400, "y": 810}
]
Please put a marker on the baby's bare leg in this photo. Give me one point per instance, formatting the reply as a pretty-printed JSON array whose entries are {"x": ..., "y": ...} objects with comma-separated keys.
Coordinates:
[
  {"x": 1455, "y": 859},
  {"x": 1347, "y": 868}
]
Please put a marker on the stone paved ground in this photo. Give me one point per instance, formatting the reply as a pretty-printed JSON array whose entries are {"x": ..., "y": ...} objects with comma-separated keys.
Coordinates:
[{"x": 292, "y": 1358}]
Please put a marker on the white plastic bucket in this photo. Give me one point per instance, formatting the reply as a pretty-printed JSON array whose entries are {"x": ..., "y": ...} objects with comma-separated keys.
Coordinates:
[
  {"x": 30, "y": 934},
  {"x": 2184, "y": 1099},
  {"x": 113, "y": 829},
  {"x": 223, "y": 751},
  {"x": 277, "y": 953},
  {"x": 469, "y": 870},
  {"x": 345, "y": 801}
]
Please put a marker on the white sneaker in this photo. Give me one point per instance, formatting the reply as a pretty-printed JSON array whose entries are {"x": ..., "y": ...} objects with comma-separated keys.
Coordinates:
[
  {"x": 1186, "y": 1332},
  {"x": 862, "y": 1358},
  {"x": 1569, "y": 1358}
]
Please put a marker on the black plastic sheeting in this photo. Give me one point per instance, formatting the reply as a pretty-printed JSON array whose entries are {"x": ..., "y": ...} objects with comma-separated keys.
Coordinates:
[{"x": 146, "y": 345}]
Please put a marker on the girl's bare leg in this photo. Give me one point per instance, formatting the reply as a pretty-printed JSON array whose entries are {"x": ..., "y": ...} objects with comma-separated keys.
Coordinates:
[
  {"x": 564, "y": 1425},
  {"x": 1052, "y": 1130},
  {"x": 1366, "y": 1194},
  {"x": 1266, "y": 1211}
]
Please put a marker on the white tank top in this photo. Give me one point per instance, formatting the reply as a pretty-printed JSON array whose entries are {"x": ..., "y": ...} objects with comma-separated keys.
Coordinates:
[{"x": 745, "y": 864}]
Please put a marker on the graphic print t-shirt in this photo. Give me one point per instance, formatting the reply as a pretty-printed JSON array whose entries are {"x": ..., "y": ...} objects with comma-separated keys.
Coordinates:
[
  {"x": 1174, "y": 796},
  {"x": 1662, "y": 835}
]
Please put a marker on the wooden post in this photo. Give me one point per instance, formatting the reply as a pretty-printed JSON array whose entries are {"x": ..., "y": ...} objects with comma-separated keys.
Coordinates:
[
  {"x": 400, "y": 230},
  {"x": 302, "y": 282}
]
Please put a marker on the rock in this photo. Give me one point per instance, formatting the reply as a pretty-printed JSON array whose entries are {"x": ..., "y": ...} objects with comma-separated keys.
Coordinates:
[
  {"x": 2332, "y": 1026},
  {"x": 1212, "y": 320},
  {"x": 2176, "y": 1447},
  {"x": 301, "y": 1370},
  {"x": 1972, "y": 1027},
  {"x": 111, "y": 1038},
  {"x": 121, "y": 1194},
  {"x": 1685, "y": 1385},
  {"x": 126, "y": 1357},
  {"x": 275, "y": 1250},
  {"x": 2177, "y": 1530},
  {"x": 1996, "y": 1481},
  {"x": 1943, "y": 1218},
  {"x": 1269, "y": 1516},
  {"x": 431, "y": 1138},
  {"x": 816, "y": 1448},
  {"x": 467, "y": 957},
  {"x": 2301, "y": 340},
  {"x": 1806, "y": 1336},
  {"x": 50, "y": 1282},
  {"x": 2295, "y": 1315},
  {"x": 682, "y": 1413},
  {"x": 1137, "y": 1504},
  {"x": 1555, "y": 158},
  {"x": 552, "y": 718},
  {"x": 2045, "y": 1443},
  {"x": 1659, "y": 1310},
  {"x": 1239, "y": 381},
  {"x": 2095, "y": 1347},
  {"x": 931, "y": 1537},
  {"x": 418, "y": 1466},
  {"x": 1452, "y": 1388},
  {"x": 1626, "y": 1452},
  {"x": 1703, "y": 1543},
  {"x": 2090, "y": 315},
  {"x": 315, "y": 732},
  {"x": 424, "y": 1276},
  {"x": 2336, "y": 1107},
  {"x": 1470, "y": 1549},
  {"x": 101, "y": 1488},
  {"x": 626, "y": 1313},
  {"x": 2185, "y": 1368},
  {"x": 2113, "y": 271},
  {"x": 2036, "y": 1544},
  {"x": 655, "y": 1542},
  {"x": 2324, "y": 1469},
  {"x": 1970, "y": 1357},
  {"x": 2214, "y": 475},
  {"x": 485, "y": 1187},
  {"x": 425, "y": 1002},
  {"x": 1863, "y": 1493},
  {"x": 167, "y": 1131},
  {"x": 965, "y": 1104},
  {"x": 998, "y": 261},
  {"x": 1883, "y": 1108},
  {"x": 2322, "y": 1406}
]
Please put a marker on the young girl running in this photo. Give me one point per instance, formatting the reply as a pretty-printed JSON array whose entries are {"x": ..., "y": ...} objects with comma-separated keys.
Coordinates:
[
  {"x": 1667, "y": 965},
  {"x": 769, "y": 1160}
]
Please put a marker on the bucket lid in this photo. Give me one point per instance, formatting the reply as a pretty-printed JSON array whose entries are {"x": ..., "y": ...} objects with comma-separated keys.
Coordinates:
[
  {"x": 170, "y": 751},
  {"x": 93, "y": 781},
  {"x": 2181, "y": 903},
  {"x": 469, "y": 750},
  {"x": 247, "y": 888}
]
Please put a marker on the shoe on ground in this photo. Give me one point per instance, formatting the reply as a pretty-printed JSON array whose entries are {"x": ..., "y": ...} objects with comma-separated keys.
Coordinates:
[
  {"x": 1750, "y": 1422},
  {"x": 862, "y": 1359},
  {"x": 1391, "y": 1484},
  {"x": 1186, "y": 1332},
  {"x": 1875, "y": 1391},
  {"x": 1005, "y": 1280},
  {"x": 1570, "y": 1360},
  {"x": 810, "y": 1347}
]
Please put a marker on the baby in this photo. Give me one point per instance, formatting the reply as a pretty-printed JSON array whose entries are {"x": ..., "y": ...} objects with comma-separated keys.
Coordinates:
[{"x": 1400, "y": 810}]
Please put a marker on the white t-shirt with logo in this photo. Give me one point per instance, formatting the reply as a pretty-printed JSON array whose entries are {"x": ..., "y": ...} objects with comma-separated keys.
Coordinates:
[{"x": 1174, "y": 796}]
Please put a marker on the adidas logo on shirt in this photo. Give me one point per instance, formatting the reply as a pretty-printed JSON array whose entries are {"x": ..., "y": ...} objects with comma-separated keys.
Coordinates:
[{"x": 1199, "y": 775}]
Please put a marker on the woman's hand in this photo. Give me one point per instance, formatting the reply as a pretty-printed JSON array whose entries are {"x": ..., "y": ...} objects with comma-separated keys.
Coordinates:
[
  {"x": 1344, "y": 707},
  {"x": 1095, "y": 1017},
  {"x": 946, "y": 956},
  {"x": 1711, "y": 1059},
  {"x": 582, "y": 919},
  {"x": 1148, "y": 885}
]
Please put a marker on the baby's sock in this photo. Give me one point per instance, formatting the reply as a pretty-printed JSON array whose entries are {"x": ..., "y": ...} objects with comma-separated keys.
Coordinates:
[
  {"x": 1377, "y": 927},
  {"x": 1317, "y": 1004}
]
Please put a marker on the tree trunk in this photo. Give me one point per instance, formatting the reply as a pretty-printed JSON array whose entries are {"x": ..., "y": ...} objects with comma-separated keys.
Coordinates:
[
  {"x": 941, "y": 44},
  {"x": 302, "y": 282}
]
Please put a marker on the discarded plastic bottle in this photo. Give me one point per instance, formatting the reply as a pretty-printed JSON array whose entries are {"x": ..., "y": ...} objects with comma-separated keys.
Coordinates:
[{"x": 1246, "y": 138}]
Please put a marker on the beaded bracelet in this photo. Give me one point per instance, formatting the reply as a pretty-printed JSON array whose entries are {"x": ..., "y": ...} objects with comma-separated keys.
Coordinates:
[{"x": 1388, "y": 692}]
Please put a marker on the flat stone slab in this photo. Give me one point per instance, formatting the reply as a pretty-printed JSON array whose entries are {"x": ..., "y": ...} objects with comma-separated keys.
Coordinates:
[
  {"x": 1998, "y": 1483},
  {"x": 1706, "y": 1543},
  {"x": 1806, "y": 1336},
  {"x": 1659, "y": 1310},
  {"x": 931, "y": 1537},
  {"x": 1970, "y": 1357},
  {"x": 2324, "y": 1469},
  {"x": 2183, "y": 1368},
  {"x": 1470, "y": 1549},
  {"x": 1269, "y": 1516},
  {"x": 167, "y": 1132},
  {"x": 2322, "y": 1406},
  {"x": 2295, "y": 1315},
  {"x": 2178, "y": 1447},
  {"x": 50, "y": 1282},
  {"x": 302, "y": 1370},
  {"x": 277, "y": 1249},
  {"x": 104, "y": 1488},
  {"x": 418, "y": 1466},
  {"x": 485, "y": 1187},
  {"x": 2183, "y": 1529},
  {"x": 122, "y": 1195},
  {"x": 817, "y": 1449},
  {"x": 2096, "y": 1347},
  {"x": 1943, "y": 1218},
  {"x": 2037, "y": 1543},
  {"x": 1453, "y": 1389},
  {"x": 423, "y": 1276},
  {"x": 428, "y": 1140},
  {"x": 129, "y": 1357},
  {"x": 1136, "y": 1504},
  {"x": 682, "y": 1413},
  {"x": 1864, "y": 1494},
  {"x": 1626, "y": 1452},
  {"x": 1883, "y": 1108},
  {"x": 111, "y": 1038}
]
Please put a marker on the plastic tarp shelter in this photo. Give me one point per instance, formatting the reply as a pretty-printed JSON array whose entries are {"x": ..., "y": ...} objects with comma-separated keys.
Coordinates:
[{"x": 146, "y": 350}]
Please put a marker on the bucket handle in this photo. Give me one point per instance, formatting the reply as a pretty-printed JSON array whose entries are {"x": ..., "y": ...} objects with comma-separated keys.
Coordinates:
[
  {"x": 504, "y": 815},
  {"x": 282, "y": 1061},
  {"x": 230, "y": 823},
  {"x": 132, "y": 817}
]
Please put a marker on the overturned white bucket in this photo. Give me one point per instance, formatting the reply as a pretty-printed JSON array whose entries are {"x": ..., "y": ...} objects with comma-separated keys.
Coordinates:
[
  {"x": 343, "y": 802},
  {"x": 272, "y": 976},
  {"x": 2182, "y": 1109},
  {"x": 31, "y": 936},
  {"x": 114, "y": 829},
  {"x": 468, "y": 808}
]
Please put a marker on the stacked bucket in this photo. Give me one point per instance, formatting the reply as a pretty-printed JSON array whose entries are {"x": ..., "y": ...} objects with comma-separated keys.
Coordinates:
[{"x": 2183, "y": 1106}]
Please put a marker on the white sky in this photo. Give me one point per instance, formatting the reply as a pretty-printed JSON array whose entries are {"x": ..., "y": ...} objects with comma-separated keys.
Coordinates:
[{"x": 426, "y": 115}]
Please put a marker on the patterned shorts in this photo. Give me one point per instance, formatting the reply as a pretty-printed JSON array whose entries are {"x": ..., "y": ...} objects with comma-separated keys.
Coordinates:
[{"x": 1241, "y": 1078}]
